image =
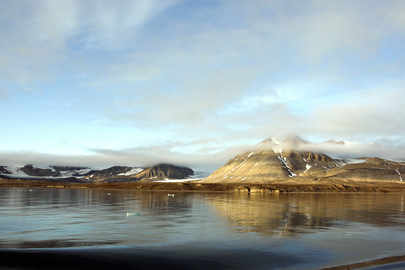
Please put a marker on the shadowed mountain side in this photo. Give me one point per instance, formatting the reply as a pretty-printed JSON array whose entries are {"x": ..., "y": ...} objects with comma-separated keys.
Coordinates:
[
  {"x": 3, "y": 170},
  {"x": 166, "y": 171}
]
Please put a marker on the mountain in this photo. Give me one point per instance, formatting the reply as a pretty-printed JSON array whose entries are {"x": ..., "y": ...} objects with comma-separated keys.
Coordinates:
[
  {"x": 31, "y": 171},
  {"x": 288, "y": 159},
  {"x": 85, "y": 174},
  {"x": 370, "y": 169},
  {"x": 166, "y": 171}
]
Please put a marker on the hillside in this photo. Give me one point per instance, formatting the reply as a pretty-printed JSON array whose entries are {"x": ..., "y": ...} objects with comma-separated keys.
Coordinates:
[
  {"x": 273, "y": 161},
  {"x": 85, "y": 174},
  {"x": 165, "y": 171}
]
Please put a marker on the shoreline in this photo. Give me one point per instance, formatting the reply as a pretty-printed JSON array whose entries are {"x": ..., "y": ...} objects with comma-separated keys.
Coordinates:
[{"x": 198, "y": 186}]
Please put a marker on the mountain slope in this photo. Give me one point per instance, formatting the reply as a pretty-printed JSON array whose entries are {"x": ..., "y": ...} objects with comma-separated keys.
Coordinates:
[
  {"x": 267, "y": 165},
  {"x": 84, "y": 174},
  {"x": 369, "y": 170},
  {"x": 277, "y": 160},
  {"x": 166, "y": 171}
]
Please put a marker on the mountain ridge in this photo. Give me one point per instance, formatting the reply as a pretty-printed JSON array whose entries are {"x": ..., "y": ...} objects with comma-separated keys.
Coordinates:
[
  {"x": 289, "y": 158},
  {"x": 86, "y": 174}
]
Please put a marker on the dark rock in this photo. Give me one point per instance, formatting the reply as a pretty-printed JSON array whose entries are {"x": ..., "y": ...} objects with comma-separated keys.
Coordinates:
[
  {"x": 3, "y": 170},
  {"x": 67, "y": 168},
  {"x": 109, "y": 172},
  {"x": 32, "y": 171},
  {"x": 166, "y": 171}
]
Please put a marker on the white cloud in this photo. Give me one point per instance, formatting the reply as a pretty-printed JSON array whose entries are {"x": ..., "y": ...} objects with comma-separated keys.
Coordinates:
[
  {"x": 112, "y": 25},
  {"x": 40, "y": 34},
  {"x": 373, "y": 113}
]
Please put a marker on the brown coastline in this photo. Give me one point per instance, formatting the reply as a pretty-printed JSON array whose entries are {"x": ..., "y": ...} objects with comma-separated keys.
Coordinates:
[{"x": 198, "y": 186}]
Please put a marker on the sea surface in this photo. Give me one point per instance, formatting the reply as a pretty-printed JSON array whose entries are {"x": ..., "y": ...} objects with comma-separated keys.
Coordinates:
[{"x": 82, "y": 228}]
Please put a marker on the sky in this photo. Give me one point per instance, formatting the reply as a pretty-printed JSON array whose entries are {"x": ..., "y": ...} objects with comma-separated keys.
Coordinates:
[{"x": 192, "y": 82}]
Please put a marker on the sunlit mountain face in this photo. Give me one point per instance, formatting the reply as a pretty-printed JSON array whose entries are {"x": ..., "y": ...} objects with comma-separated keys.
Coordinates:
[{"x": 276, "y": 159}]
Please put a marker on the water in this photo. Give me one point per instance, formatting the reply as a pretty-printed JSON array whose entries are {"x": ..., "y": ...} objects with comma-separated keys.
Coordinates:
[{"x": 76, "y": 228}]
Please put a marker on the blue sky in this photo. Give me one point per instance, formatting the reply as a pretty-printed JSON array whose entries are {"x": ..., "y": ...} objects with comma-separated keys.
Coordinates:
[{"x": 140, "y": 81}]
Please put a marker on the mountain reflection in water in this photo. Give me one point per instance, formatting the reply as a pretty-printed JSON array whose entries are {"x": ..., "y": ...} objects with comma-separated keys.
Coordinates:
[
  {"x": 292, "y": 214},
  {"x": 107, "y": 228}
]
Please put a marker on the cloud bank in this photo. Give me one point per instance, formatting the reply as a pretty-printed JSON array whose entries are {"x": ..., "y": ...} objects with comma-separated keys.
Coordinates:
[{"x": 206, "y": 158}]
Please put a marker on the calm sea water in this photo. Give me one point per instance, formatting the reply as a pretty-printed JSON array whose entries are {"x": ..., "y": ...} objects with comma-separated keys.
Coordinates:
[{"x": 70, "y": 229}]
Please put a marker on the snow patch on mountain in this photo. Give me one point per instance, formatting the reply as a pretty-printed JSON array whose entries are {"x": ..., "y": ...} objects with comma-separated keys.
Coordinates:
[
  {"x": 307, "y": 167},
  {"x": 16, "y": 172},
  {"x": 354, "y": 161},
  {"x": 198, "y": 175},
  {"x": 132, "y": 172},
  {"x": 399, "y": 174},
  {"x": 284, "y": 164}
]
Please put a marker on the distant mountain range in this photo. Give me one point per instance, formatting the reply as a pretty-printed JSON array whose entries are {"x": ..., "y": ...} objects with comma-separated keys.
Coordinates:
[
  {"x": 290, "y": 159},
  {"x": 85, "y": 174}
]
